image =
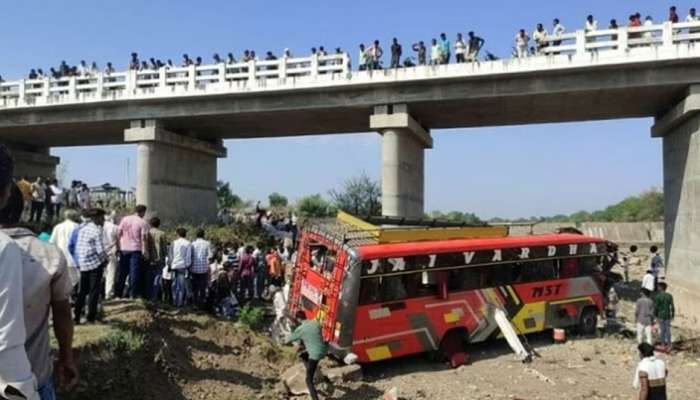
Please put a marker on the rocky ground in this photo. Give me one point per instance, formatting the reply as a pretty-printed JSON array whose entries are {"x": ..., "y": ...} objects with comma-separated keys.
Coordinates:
[{"x": 146, "y": 352}]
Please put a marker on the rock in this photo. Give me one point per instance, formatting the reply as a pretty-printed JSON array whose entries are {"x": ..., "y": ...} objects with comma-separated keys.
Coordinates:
[
  {"x": 294, "y": 380},
  {"x": 343, "y": 374},
  {"x": 571, "y": 381},
  {"x": 392, "y": 394}
]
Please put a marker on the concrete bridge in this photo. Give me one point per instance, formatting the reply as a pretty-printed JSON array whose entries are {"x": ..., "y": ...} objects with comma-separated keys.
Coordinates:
[{"x": 178, "y": 117}]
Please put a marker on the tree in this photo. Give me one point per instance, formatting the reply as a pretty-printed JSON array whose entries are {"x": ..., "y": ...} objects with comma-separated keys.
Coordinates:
[
  {"x": 277, "y": 200},
  {"x": 225, "y": 197},
  {"x": 314, "y": 206},
  {"x": 359, "y": 195},
  {"x": 457, "y": 216}
]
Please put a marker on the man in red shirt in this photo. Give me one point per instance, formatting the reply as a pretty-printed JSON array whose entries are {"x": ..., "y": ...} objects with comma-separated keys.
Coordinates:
[{"x": 133, "y": 232}]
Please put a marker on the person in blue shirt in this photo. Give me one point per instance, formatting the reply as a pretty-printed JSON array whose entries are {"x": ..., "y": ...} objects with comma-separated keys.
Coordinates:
[{"x": 445, "y": 48}]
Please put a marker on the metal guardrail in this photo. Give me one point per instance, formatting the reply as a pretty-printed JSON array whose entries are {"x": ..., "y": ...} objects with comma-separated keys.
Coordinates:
[{"x": 581, "y": 48}]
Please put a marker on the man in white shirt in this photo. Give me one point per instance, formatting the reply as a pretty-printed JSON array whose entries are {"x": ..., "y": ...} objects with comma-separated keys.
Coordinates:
[
  {"x": 650, "y": 375},
  {"x": 522, "y": 41},
  {"x": 648, "y": 281},
  {"x": 16, "y": 378},
  {"x": 591, "y": 24},
  {"x": 201, "y": 252},
  {"x": 47, "y": 288},
  {"x": 56, "y": 198},
  {"x": 111, "y": 242},
  {"x": 60, "y": 236},
  {"x": 180, "y": 264},
  {"x": 540, "y": 37}
]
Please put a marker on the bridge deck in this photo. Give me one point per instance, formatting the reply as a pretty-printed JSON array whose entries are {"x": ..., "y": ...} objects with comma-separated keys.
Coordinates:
[{"x": 630, "y": 72}]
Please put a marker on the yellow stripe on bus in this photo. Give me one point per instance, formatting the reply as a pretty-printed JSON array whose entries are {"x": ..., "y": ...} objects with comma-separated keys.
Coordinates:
[
  {"x": 513, "y": 295},
  {"x": 574, "y": 300},
  {"x": 379, "y": 353}
]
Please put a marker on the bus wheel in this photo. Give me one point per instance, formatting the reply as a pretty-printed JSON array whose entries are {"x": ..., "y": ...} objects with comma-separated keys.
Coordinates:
[
  {"x": 588, "y": 323},
  {"x": 452, "y": 347}
]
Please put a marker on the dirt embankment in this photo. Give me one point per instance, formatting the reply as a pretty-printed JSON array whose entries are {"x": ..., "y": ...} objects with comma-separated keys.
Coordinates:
[
  {"x": 148, "y": 353},
  {"x": 144, "y": 353}
]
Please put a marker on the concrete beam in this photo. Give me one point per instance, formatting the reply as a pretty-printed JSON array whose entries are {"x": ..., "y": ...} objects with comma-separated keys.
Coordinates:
[
  {"x": 153, "y": 131},
  {"x": 384, "y": 118},
  {"x": 176, "y": 174},
  {"x": 33, "y": 162},
  {"x": 680, "y": 113}
]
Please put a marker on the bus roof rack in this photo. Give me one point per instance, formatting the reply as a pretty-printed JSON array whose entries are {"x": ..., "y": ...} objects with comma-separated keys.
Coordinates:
[{"x": 380, "y": 230}]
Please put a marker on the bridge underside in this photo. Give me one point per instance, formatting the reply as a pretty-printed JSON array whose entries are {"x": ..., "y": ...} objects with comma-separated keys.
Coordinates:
[{"x": 584, "y": 94}]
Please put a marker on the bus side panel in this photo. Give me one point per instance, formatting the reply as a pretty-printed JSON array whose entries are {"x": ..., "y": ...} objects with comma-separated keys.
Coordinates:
[
  {"x": 561, "y": 303},
  {"x": 411, "y": 326}
]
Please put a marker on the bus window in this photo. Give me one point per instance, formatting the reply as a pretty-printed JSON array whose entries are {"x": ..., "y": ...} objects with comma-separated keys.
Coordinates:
[
  {"x": 569, "y": 268},
  {"x": 398, "y": 287},
  {"x": 369, "y": 291},
  {"x": 590, "y": 266},
  {"x": 323, "y": 259},
  {"x": 469, "y": 278},
  {"x": 536, "y": 271}
]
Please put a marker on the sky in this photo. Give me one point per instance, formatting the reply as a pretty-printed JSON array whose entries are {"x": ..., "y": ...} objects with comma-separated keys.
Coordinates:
[{"x": 516, "y": 171}]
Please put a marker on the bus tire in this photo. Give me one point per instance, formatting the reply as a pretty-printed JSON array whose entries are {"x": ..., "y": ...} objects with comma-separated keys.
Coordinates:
[
  {"x": 453, "y": 342},
  {"x": 588, "y": 322}
]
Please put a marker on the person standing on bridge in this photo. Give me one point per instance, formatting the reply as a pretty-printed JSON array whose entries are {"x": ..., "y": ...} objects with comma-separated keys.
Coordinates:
[
  {"x": 395, "y": 53},
  {"x": 362, "y": 58},
  {"x": 540, "y": 37},
  {"x": 557, "y": 30},
  {"x": 134, "y": 64},
  {"x": 419, "y": 48},
  {"x": 476, "y": 43},
  {"x": 133, "y": 231},
  {"x": 375, "y": 55},
  {"x": 445, "y": 49},
  {"x": 591, "y": 24},
  {"x": 673, "y": 15},
  {"x": 460, "y": 49},
  {"x": 648, "y": 23},
  {"x": 435, "y": 53},
  {"x": 522, "y": 41}
]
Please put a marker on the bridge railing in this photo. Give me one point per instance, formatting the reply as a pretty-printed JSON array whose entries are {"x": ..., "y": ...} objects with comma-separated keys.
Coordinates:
[
  {"x": 164, "y": 81},
  {"x": 576, "y": 48}
]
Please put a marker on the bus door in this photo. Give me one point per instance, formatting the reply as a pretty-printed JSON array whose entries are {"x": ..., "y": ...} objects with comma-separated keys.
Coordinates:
[{"x": 317, "y": 281}]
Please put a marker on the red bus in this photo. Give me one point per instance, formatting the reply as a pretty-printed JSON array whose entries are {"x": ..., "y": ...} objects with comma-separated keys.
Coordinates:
[{"x": 387, "y": 300}]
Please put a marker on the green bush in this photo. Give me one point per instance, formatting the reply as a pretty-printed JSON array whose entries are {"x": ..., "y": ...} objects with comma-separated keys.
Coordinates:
[
  {"x": 252, "y": 316},
  {"x": 121, "y": 341}
]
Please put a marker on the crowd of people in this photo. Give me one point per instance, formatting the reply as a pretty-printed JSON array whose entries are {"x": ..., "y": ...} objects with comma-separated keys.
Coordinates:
[
  {"x": 542, "y": 39},
  {"x": 370, "y": 57},
  {"x": 93, "y": 255}
]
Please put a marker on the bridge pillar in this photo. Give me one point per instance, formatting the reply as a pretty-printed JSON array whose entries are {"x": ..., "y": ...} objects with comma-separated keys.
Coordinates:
[
  {"x": 34, "y": 161},
  {"x": 404, "y": 142},
  {"x": 680, "y": 130},
  {"x": 176, "y": 174}
]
